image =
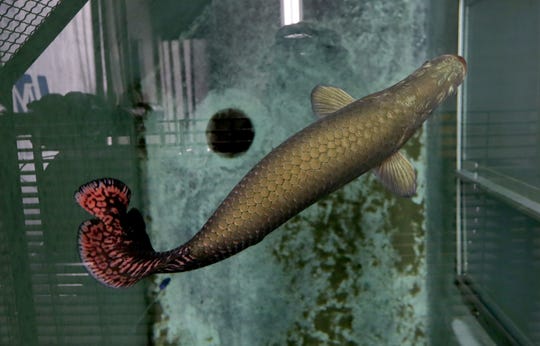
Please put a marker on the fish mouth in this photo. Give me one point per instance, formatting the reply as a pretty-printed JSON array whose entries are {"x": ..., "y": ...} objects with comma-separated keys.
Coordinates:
[{"x": 462, "y": 61}]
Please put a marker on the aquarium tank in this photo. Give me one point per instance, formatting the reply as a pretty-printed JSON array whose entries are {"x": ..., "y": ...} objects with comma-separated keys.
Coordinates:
[{"x": 181, "y": 99}]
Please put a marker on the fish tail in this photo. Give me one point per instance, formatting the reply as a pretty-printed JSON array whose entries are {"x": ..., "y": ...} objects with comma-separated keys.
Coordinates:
[
  {"x": 114, "y": 247},
  {"x": 104, "y": 198}
]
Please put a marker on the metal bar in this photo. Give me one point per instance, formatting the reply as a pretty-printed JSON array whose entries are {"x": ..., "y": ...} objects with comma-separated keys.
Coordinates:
[
  {"x": 12, "y": 217},
  {"x": 97, "y": 29},
  {"x": 6, "y": 99},
  {"x": 461, "y": 261},
  {"x": 487, "y": 316},
  {"x": 505, "y": 194}
]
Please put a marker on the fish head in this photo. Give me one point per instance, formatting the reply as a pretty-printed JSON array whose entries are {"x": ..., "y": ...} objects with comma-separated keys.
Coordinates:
[
  {"x": 449, "y": 70},
  {"x": 426, "y": 88}
]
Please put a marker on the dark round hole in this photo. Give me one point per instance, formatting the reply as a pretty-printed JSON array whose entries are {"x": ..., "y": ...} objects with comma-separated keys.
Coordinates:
[{"x": 230, "y": 132}]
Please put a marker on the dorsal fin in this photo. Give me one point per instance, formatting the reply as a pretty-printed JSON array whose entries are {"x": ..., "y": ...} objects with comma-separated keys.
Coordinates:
[
  {"x": 326, "y": 100},
  {"x": 397, "y": 174}
]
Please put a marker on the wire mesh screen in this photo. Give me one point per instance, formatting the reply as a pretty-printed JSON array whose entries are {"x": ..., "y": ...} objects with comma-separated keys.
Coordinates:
[{"x": 19, "y": 19}]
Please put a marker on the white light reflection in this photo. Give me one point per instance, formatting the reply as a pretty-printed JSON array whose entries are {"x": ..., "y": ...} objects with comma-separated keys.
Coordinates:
[
  {"x": 71, "y": 274},
  {"x": 69, "y": 285},
  {"x": 291, "y": 11}
]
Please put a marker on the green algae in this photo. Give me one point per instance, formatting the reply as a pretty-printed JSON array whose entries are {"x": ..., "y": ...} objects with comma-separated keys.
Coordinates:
[
  {"x": 335, "y": 234},
  {"x": 407, "y": 217}
]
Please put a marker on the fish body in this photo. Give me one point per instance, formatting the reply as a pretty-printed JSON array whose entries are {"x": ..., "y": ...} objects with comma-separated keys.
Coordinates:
[{"x": 352, "y": 137}]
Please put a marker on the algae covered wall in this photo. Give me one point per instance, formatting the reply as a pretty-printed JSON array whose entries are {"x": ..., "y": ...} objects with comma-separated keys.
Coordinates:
[{"x": 350, "y": 270}]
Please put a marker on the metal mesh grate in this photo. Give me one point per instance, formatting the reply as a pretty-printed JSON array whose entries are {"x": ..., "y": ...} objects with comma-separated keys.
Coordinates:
[{"x": 19, "y": 19}]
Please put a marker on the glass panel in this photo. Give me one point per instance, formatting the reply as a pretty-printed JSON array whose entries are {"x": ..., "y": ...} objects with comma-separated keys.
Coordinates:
[
  {"x": 500, "y": 167},
  {"x": 501, "y": 130}
]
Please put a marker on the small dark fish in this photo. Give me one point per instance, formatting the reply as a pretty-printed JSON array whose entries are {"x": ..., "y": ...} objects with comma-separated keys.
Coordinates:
[
  {"x": 164, "y": 283},
  {"x": 351, "y": 138}
]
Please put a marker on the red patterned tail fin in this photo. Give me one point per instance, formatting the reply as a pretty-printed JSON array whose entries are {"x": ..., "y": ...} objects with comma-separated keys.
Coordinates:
[
  {"x": 102, "y": 197},
  {"x": 115, "y": 247}
]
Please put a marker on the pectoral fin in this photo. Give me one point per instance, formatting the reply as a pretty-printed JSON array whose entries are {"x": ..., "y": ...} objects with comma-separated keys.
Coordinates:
[
  {"x": 327, "y": 99},
  {"x": 397, "y": 174}
]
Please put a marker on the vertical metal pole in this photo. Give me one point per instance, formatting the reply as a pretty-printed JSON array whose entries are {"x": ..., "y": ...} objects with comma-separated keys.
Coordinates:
[{"x": 461, "y": 250}]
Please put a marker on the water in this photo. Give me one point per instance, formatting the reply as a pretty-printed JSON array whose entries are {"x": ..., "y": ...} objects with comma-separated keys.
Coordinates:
[
  {"x": 317, "y": 278},
  {"x": 141, "y": 83}
]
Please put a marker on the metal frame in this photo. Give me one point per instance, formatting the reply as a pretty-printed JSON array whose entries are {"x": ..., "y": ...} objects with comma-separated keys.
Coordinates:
[
  {"x": 461, "y": 262},
  {"x": 486, "y": 316}
]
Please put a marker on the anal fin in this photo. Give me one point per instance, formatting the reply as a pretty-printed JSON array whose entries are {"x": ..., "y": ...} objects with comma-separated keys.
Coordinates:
[{"x": 397, "y": 174}]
